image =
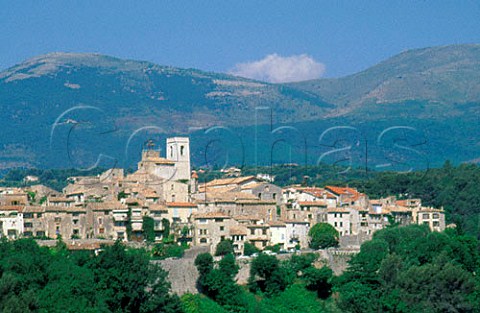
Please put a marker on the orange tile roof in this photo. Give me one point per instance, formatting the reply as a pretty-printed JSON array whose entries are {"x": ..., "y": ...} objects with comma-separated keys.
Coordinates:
[
  {"x": 312, "y": 203},
  {"x": 18, "y": 208},
  {"x": 342, "y": 190},
  {"x": 229, "y": 181},
  {"x": 210, "y": 215},
  {"x": 238, "y": 230},
  {"x": 182, "y": 204}
]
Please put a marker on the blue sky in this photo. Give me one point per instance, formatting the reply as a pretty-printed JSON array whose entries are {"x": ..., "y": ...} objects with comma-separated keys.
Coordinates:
[{"x": 342, "y": 36}]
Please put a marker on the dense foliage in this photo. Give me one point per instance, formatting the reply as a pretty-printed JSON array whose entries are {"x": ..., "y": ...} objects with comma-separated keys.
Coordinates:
[
  {"x": 323, "y": 235},
  {"x": 410, "y": 269},
  {"x": 224, "y": 247},
  {"x": 35, "y": 279}
]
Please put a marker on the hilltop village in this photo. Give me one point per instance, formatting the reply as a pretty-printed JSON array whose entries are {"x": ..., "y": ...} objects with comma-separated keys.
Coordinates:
[{"x": 165, "y": 191}]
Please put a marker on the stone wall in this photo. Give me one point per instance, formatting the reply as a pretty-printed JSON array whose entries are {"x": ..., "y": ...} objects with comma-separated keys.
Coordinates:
[{"x": 183, "y": 274}]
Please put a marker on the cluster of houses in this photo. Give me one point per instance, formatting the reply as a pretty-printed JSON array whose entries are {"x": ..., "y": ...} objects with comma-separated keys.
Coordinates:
[{"x": 242, "y": 209}]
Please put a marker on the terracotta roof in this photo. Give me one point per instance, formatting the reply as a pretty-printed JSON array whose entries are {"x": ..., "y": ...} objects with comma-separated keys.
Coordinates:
[
  {"x": 338, "y": 210},
  {"x": 229, "y": 181},
  {"x": 34, "y": 209},
  {"x": 181, "y": 204},
  {"x": 398, "y": 208},
  {"x": 342, "y": 190},
  {"x": 18, "y": 208},
  {"x": 60, "y": 199},
  {"x": 210, "y": 215},
  {"x": 157, "y": 207},
  {"x": 106, "y": 206},
  {"x": 277, "y": 224},
  {"x": 238, "y": 230},
  {"x": 312, "y": 203},
  {"x": 246, "y": 218}
]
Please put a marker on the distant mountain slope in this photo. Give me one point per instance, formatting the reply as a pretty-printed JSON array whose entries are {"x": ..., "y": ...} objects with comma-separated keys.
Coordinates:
[
  {"x": 68, "y": 109},
  {"x": 123, "y": 96},
  {"x": 448, "y": 74}
]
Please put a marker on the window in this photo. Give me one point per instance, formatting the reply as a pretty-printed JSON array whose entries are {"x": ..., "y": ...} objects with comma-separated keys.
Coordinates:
[
  {"x": 274, "y": 196},
  {"x": 173, "y": 198},
  {"x": 203, "y": 240},
  {"x": 76, "y": 231},
  {"x": 222, "y": 228},
  {"x": 27, "y": 225},
  {"x": 57, "y": 230},
  {"x": 218, "y": 220},
  {"x": 39, "y": 215},
  {"x": 436, "y": 223},
  {"x": 335, "y": 224},
  {"x": 203, "y": 231},
  {"x": 28, "y": 215},
  {"x": 341, "y": 224},
  {"x": 264, "y": 231},
  {"x": 436, "y": 215},
  {"x": 100, "y": 220},
  {"x": 182, "y": 148},
  {"x": 425, "y": 216},
  {"x": 222, "y": 238},
  {"x": 335, "y": 215},
  {"x": 202, "y": 221},
  {"x": 101, "y": 230},
  {"x": 40, "y": 234},
  {"x": 57, "y": 219},
  {"x": 75, "y": 214},
  {"x": 252, "y": 231},
  {"x": 75, "y": 222},
  {"x": 28, "y": 234}
]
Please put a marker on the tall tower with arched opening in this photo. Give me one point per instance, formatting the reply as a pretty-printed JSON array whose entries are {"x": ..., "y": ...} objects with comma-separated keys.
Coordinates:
[{"x": 178, "y": 151}]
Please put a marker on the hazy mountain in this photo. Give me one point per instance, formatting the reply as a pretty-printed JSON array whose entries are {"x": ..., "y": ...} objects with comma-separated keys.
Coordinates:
[
  {"x": 448, "y": 74},
  {"x": 65, "y": 109}
]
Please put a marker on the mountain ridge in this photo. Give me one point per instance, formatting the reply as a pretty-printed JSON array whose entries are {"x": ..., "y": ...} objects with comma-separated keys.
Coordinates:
[{"x": 432, "y": 86}]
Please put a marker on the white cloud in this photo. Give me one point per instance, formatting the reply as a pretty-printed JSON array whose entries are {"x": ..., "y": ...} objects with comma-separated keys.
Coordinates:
[{"x": 277, "y": 69}]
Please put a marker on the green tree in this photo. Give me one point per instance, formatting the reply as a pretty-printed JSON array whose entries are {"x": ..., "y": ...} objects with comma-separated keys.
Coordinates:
[
  {"x": 249, "y": 249},
  {"x": 204, "y": 265},
  {"x": 318, "y": 280},
  {"x": 148, "y": 229},
  {"x": 224, "y": 247},
  {"x": 323, "y": 235},
  {"x": 130, "y": 283},
  {"x": 272, "y": 277}
]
